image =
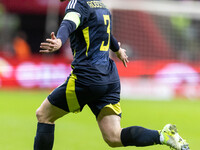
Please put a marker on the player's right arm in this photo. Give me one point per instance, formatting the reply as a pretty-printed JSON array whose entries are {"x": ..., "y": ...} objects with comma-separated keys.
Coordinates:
[
  {"x": 76, "y": 13},
  {"x": 69, "y": 24}
]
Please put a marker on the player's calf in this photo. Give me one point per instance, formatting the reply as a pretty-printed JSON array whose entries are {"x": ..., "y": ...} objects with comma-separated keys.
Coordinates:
[
  {"x": 46, "y": 115},
  {"x": 44, "y": 137},
  {"x": 139, "y": 136}
]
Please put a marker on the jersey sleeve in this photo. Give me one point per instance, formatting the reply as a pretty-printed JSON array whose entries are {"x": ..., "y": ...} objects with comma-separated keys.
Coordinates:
[
  {"x": 66, "y": 28},
  {"x": 80, "y": 7},
  {"x": 114, "y": 46}
]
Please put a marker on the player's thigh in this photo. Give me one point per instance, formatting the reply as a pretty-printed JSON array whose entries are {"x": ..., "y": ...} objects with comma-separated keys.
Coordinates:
[
  {"x": 48, "y": 113},
  {"x": 61, "y": 101},
  {"x": 109, "y": 124}
]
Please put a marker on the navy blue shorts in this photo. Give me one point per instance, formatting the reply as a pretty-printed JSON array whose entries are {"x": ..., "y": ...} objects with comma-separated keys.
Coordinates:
[{"x": 72, "y": 96}]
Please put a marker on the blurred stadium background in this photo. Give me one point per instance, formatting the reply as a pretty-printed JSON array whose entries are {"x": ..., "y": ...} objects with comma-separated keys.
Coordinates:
[{"x": 162, "y": 38}]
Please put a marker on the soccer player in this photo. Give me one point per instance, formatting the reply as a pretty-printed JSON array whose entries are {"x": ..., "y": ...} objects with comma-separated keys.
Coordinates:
[{"x": 94, "y": 81}]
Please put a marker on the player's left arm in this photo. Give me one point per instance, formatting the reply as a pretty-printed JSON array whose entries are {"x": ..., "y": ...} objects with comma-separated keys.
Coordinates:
[
  {"x": 119, "y": 51},
  {"x": 69, "y": 24}
]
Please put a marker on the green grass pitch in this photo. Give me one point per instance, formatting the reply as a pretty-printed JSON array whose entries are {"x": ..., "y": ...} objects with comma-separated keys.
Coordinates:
[{"x": 80, "y": 131}]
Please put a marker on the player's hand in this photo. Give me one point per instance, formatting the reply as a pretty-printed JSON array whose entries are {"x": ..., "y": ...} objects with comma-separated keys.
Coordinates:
[
  {"x": 121, "y": 54},
  {"x": 51, "y": 45}
]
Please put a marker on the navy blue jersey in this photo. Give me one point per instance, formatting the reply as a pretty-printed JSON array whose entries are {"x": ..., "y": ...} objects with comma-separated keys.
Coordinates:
[{"x": 90, "y": 43}]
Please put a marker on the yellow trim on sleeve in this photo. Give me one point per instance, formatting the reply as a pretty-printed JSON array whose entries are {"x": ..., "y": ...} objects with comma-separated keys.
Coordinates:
[{"x": 74, "y": 17}]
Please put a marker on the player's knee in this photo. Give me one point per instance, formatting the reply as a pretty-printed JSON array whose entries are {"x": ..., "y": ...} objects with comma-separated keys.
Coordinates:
[
  {"x": 39, "y": 114},
  {"x": 41, "y": 117},
  {"x": 112, "y": 142},
  {"x": 112, "y": 139}
]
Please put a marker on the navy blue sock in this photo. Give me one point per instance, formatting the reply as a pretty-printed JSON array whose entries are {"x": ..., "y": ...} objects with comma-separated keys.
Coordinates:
[
  {"x": 139, "y": 136},
  {"x": 44, "y": 137}
]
